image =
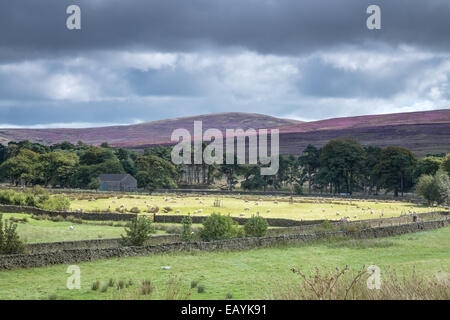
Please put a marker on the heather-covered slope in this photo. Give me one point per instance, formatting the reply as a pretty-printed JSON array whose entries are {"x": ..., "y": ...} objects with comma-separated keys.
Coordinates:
[
  {"x": 422, "y": 132},
  {"x": 153, "y": 132}
]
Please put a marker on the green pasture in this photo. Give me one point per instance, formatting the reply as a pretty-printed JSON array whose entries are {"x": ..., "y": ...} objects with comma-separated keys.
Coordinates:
[
  {"x": 34, "y": 231},
  {"x": 249, "y": 274}
]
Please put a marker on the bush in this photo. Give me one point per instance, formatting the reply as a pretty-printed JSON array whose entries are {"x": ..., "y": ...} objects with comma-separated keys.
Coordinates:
[
  {"x": 256, "y": 226},
  {"x": 217, "y": 227},
  {"x": 137, "y": 232},
  {"x": 434, "y": 189},
  {"x": 55, "y": 203},
  {"x": 201, "y": 289},
  {"x": 186, "y": 233},
  {"x": 10, "y": 242}
]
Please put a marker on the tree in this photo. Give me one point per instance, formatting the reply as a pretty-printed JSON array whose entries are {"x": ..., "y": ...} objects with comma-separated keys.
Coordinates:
[
  {"x": 291, "y": 173},
  {"x": 310, "y": 160},
  {"x": 137, "y": 232},
  {"x": 253, "y": 180},
  {"x": 428, "y": 165},
  {"x": 396, "y": 169},
  {"x": 21, "y": 168},
  {"x": 434, "y": 189},
  {"x": 57, "y": 168},
  {"x": 154, "y": 172},
  {"x": 231, "y": 172},
  {"x": 341, "y": 163},
  {"x": 372, "y": 178},
  {"x": 446, "y": 164}
]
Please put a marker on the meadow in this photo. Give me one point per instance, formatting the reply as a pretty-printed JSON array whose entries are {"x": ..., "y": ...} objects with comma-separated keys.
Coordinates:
[
  {"x": 37, "y": 231},
  {"x": 251, "y": 274},
  {"x": 302, "y": 208}
]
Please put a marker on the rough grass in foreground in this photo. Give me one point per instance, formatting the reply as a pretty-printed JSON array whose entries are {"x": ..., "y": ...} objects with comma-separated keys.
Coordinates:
[{"x": 247, "y": 274}]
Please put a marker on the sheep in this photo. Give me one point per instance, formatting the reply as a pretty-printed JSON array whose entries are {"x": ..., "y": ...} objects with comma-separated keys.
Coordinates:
[
  {"x": 177, "y": 211},
  {"x": 338, "y": 214},
  {"x": 246, "y": 209},
  {"x": 268, "y": 210},
  {"x": 71, "y": 228},
  {"x": 242, "y": 214},
  {"x": 200, "y": 210}
]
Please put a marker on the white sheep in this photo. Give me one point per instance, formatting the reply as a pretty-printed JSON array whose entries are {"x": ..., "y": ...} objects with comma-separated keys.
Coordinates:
[{"x": 71, "y": 228}]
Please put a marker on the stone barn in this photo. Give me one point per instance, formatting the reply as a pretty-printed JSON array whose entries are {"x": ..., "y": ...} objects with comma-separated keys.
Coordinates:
[{"x": 118, "y": 182}]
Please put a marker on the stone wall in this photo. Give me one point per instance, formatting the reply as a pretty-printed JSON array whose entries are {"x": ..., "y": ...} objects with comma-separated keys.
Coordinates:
[
  {"x": 34, "y": 248},
  {"x": 103, "y": 216},
  {"x": 83, "y": 255},
  {"x": 273, "y": 222}
]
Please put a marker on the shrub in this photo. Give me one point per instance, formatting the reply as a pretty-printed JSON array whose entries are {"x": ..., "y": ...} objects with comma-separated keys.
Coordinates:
[
  {"x": 137, "y": 232},
  {"x": 434, "y": 189},
  {"x": 217, "y": 227},
  {"x": 201, "y": 289},
  {"x": 256, "y": 226},
  {"x": 10, "y": 242},
  {"x": 186, "y": 233},
  {"x": 194, "y": 284},
  {"x": 55, "y": 203},
  {"x": 146, "y": 287},
  {"x": 95, "y": 285}
]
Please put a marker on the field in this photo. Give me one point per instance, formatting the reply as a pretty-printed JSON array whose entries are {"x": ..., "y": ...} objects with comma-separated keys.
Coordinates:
[
  {"x": 266, "y": 206},
  {"x": 34, "y": 231},
  {"x": 250, "y": 274}
]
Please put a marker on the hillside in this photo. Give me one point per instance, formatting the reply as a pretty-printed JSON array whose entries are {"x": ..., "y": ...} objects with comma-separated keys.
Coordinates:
[
  {"x": 422, "y": 132},
  {"x": 153, "y": 132}
]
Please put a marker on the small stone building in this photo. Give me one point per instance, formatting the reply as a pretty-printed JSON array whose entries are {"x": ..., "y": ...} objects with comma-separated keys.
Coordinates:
[{"x": 118, "y": 182}]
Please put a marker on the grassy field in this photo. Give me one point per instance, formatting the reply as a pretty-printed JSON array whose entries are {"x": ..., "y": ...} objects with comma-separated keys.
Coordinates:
[
  {"x": 34, "y": 231},
  {"x": 247, "y": 274},
  {"x": 275, "y": 207}
]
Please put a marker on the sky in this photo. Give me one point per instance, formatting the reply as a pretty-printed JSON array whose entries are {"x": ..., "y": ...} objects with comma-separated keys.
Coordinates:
[{"x": 141, "y": 60}]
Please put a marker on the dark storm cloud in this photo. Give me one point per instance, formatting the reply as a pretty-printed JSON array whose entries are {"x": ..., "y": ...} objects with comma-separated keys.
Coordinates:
[
  {"x": 32, "y": 28},
  {"x": 140, "y": 60}
]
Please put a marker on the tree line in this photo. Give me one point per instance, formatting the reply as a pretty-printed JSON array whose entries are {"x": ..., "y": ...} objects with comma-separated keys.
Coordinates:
[{"x": 341, "y": 166}]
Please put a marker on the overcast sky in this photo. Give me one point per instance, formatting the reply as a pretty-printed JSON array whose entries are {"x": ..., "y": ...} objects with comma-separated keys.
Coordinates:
[{"x": 142, "y": 60}]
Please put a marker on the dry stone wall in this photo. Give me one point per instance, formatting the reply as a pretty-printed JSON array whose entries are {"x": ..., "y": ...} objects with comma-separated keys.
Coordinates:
[{"x": 85, "y": 255}]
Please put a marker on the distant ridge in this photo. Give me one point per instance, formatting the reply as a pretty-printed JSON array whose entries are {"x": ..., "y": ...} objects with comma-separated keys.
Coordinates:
[{"x": 422, "y": 132}]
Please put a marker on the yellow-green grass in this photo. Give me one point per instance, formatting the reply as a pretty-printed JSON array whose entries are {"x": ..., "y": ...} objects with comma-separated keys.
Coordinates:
[
  {"x": 303, "y": 208},
  {"x": 37, "y": 231},
  {"x": 245, "y": 274}
]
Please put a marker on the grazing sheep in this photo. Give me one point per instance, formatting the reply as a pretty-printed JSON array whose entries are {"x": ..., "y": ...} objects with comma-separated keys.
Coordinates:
[
  {"x": 268, "y": 210},
  {"x": 242, "y": 214},
  {"x": 177, "y": 211},
  {"x": 355, "y": 217},
  {"x": 246, "y": 209},
  {"x": 200, "y": 210},
  {"x": 338, "y": 214},
  {"x": 71, "y": 228}
]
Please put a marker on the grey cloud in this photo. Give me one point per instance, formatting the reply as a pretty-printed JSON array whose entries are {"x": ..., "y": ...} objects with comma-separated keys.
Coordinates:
[{"x": 35, "y": 28}]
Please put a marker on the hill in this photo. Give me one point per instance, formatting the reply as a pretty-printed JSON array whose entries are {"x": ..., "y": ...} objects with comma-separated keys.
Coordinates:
[{"x": 422, "y": 132}]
